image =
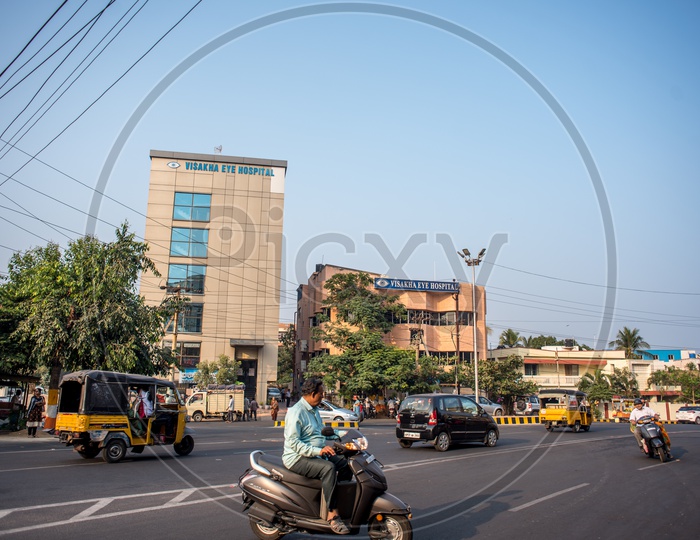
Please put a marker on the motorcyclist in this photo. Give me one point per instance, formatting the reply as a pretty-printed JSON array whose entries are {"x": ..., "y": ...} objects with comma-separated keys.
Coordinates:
[
  {"x": 305, "y": 446},
  {"x": 640, "y": 410}
]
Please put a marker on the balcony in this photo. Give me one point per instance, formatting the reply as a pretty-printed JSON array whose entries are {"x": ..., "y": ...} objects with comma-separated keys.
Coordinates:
[{"x": 552, "y": 381}]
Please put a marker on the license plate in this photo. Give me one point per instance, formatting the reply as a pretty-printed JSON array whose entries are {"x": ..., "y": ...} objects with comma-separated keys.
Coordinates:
[
  {"x": 411, "y": 435},
  {"x": 370, "y": 459}
]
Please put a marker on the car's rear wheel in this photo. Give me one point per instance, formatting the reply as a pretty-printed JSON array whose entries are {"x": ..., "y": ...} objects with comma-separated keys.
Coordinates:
[
  {"x": 697, "y": 420},
  {"x": 403, "y": 443},
  {"x": 491, "y": 438},
  {"x": 442, "y": 442}
]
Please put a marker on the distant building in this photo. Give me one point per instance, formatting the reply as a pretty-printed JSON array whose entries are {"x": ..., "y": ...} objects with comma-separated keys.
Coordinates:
[
  {"x": 429, "y": 327},
  {"x": 558, "y": 367},
  {"x": 214, "y": 228}
]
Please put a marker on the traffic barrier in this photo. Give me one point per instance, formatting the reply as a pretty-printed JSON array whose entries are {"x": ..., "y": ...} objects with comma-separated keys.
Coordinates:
[
  {"x": 517, "y": 419},
  {"x": 280, "y": 423}
]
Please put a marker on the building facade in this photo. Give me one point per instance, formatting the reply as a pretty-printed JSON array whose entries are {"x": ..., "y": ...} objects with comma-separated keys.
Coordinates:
[
  {"x": 430, "y": 327},
  {"x": 214, "y": 229}
]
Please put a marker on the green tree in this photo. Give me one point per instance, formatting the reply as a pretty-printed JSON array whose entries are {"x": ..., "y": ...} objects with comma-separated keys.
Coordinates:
[
  {"x": 206, "y": 374},
  {"x": 509, "y": 338},
  {"x": 629, "y": 341},
  {"x": 688, "y": 379},
  {"x": 502, "y": 378},
  {"x": 80, "y": 309},
  {"x": 227, "y": 370},
  {"x": 285, "y": 357},
  {"x": 596, "y": 385},
  {"x": 361, "y": 319},
  {"x": 624, "y": 383}
]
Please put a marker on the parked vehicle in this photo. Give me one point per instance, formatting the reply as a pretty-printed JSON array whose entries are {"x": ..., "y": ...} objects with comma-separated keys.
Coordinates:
[
  {"x": 494, "y": 409},
  {"x": 527, "y": 405},
  {"x": 443, "y": 419},
  {"x": 333, "y": 413},
  {"x": 280, "y": 502},
  {"x": 562, "y": 408},
  {"x": 654, "y": 440},
  {"x": 689, "y": 414},
  {"x": 273, "y": 392},
  {"x": 96, "y": 412},
  {"x": 213, "y": 402}
]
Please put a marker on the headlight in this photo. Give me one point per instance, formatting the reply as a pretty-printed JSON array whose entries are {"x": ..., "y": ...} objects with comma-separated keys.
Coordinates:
[{"x": 357, "y": 444}]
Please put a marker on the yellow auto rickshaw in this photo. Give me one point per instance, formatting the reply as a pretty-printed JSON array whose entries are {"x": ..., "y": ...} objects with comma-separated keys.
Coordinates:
[
  {"x": 108, "y": 412},
  {"x": 565, "y": 408}
]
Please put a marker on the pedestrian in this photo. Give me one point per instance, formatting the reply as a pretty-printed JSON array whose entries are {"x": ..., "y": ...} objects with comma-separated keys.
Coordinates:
[
  {"x": 287, "y": 397},
  {"x": 246, "y": 409},
  {"x": 254, "y": 408},
  {"x": 35, "y": 412},
  {"x": 229, "y": 416},
  {"x": 15, "y": 410},
  {"x": 274, "y": 409}
]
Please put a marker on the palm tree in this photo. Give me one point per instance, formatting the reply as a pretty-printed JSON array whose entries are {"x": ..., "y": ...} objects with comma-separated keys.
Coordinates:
[
  {"x": 629, "y": 341},
  {"x": 509, "y": 338}
]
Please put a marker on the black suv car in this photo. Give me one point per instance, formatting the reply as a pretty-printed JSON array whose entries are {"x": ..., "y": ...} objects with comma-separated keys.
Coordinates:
[{"x": 443, "y": 419}]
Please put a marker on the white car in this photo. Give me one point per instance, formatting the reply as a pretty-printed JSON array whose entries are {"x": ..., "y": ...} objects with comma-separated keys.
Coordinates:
[
  {"x": 688, "y": 414},
  {"x": 333, "y": 413},
  {"x": 494, "y": 409}
]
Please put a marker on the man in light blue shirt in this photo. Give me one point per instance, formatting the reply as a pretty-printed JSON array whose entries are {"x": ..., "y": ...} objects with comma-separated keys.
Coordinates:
[{"x": 305, "y": 448}]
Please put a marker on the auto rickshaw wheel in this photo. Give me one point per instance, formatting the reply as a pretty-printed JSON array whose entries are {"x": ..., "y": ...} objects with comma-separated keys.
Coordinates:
[
  {"x": 185, "y": 446},
  {"x": 585, "y": 428},
  {"x": 548, "y": 426},
  {"x": 114, "y": 451},
  {"x": 89, "y": 452},
  {"x": 576, "y": 427}
]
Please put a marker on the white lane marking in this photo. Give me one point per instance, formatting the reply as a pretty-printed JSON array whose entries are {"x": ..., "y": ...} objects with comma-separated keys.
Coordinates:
[
  {"x": 180, "y": 497},
  {"x": 99, "y": 505},
  {"x": 658, "y": 465},
  {"x": 550, "y": 496}
]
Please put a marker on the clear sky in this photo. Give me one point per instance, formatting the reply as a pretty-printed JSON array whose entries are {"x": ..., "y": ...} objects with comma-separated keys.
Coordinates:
[{"x": 430, "y": 127}]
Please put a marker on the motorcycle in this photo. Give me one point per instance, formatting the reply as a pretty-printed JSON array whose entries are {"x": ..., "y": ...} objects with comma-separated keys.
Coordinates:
[
  {"x": 280, "y": 502},
  {"x": 654, "y": 440}
]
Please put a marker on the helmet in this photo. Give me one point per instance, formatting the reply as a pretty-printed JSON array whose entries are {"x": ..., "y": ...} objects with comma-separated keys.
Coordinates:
[{"x": 638, "y": 401}]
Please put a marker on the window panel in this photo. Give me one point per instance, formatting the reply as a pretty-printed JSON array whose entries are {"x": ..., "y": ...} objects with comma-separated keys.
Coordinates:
[
  {"x": 189, "y": 277},
  {"x": 192, "y": 206},
  {"x": 189, "y": 242}
]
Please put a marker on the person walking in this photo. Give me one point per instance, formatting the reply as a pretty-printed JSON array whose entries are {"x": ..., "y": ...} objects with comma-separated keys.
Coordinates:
[
  {"x": 246, "y": 409},
  {"x": 35, "y": 412},
  {"x": 287, "y": 397},
  {"x": 229, "y": 416},
  {"x": 274, "y": 409},
  {"x": 15, "y": 410},
  {"x": 254, "y": 409}
]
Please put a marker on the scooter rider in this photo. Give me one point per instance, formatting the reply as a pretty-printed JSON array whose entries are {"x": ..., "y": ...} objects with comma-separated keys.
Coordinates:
[
  {"x": 640, "y": 410},
  {"x": 304, "y": 448}
]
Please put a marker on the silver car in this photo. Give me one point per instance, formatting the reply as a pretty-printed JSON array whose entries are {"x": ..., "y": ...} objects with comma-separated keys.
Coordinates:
[
  {"x": 494, "y": 409},
  {"x": 333, "y": 413}
]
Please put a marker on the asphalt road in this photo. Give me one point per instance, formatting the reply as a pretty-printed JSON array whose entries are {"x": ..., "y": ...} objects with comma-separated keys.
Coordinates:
[{"x": 533, "y": 484}]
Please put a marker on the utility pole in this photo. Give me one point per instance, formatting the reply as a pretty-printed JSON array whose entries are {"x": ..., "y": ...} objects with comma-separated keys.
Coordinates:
[{"x": 176, "y": 319}]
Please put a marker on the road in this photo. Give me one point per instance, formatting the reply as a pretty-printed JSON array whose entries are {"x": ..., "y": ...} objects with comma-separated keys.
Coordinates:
[{"x": 533, "y": 484}]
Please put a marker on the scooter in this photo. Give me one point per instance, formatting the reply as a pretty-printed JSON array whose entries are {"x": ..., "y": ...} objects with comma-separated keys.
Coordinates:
[
  {"x": 653, "y": 440},
  {"x": 280, "y": 502}
]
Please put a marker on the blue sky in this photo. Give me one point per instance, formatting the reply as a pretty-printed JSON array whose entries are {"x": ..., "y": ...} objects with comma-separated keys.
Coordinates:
[{"x": 397, "y": 130}]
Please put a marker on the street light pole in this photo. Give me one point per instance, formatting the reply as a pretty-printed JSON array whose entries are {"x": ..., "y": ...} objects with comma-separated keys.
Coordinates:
[
  {"x": 474, "y": 262},
  {"x": 457, "y": 358}
]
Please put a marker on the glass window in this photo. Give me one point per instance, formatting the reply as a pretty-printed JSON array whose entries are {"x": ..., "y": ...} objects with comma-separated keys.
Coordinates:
[
  {"x": 189, "y": 320},
  {"x": 189, "y": 277},
  {"x": 189, "y": 242},
  {"x": 468, "y": 406},
  {"x": 192, "y": 206},
  {"x": 532, "y": 369},
  {"x": 188, "y": 353},
  {"x": 571, "y": 370}
]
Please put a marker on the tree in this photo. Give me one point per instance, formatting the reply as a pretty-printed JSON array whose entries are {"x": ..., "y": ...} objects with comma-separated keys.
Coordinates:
[
  {"x": 629, "y": 341},
  {"x": 227, "y": 370},
  {"x": 206, "y": 374},
  {"x": 688, "y": 379},
  {"x": 80, "y": 309},
  {"x": 624, "y": 383},
  {"x": 285, "y": 356},
  {"x": 509, "y": 338},
  {"x": 502, "y": 378},
  {"x": 362, "y": 318},
  {"x": 596, "y": 385}
]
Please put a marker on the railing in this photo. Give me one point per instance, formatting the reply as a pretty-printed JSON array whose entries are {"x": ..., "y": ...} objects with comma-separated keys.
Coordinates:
[{"x": 553, "y": 381}]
